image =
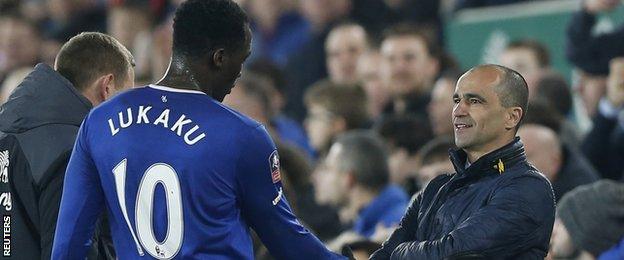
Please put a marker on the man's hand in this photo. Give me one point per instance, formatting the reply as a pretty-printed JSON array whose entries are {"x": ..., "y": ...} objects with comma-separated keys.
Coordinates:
[
  {"x": 597, "y": 6},
  {"x": 615, "y": 82}
]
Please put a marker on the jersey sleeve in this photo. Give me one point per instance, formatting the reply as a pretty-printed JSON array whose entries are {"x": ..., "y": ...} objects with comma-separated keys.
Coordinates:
[
  {"x": 81, "y": 203},
  {"x": 264, "y": 206}
]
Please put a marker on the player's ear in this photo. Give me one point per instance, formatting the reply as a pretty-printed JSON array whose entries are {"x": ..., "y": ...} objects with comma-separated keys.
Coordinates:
[{"x": 218, "y": 58}]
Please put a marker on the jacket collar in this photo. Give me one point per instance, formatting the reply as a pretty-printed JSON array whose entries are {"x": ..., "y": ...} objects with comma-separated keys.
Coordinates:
[{"x": 497, "y": 161}]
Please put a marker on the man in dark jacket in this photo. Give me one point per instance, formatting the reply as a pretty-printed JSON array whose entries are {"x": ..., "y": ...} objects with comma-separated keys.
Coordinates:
[
  {"x": 497, "y": 206},
  {"x": 38, "y": 127}
]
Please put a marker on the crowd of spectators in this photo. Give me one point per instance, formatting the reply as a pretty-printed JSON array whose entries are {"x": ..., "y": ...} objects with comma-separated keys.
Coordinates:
[{"x": 358, "y": 96}]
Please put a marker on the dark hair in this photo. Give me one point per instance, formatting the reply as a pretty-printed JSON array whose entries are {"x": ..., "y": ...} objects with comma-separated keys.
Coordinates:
[
  {"x": 436, "y": 150},
  {"x": 554, "y": 90},
  {"x": 200, "y": 26},
  {"x": 348, "y": 102},
  {"x": 270, "y": 70},
  {"x": 90, "y": 55},
  {"x": 541, "y": 113},
  {"x": 541, "y": 52},
  {"x": 258, "y": 88},
  {"x": 405, "y": 131},
  {"x": 365, "y": 156},
  {"x": 426, "y": 34}
]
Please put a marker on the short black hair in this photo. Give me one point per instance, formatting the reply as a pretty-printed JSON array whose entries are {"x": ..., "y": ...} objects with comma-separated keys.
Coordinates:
[
  {"x": 555, "y": 90},
  {"x": 405, "y": 131},
  {"x": 200, "y": 26},
  {"x": 541, "y": 52},
  {"x": 436, "y": 150},
  {"x": 75, "y": 60},
  {"x": 425, "y": 33},
  {"x": 544, "y": 114}
]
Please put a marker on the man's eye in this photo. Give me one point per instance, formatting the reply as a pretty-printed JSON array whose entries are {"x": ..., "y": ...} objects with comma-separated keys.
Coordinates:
[
  {"x": 456, "y": 100},
  {"x": 475, "y": 101}
]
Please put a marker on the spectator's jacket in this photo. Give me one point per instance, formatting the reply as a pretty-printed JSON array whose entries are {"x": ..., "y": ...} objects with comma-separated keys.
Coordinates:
[
  {"x": 575, "y": 171},
  {"x": 385, "y": 209},
  {"x": 589, "y": 52},
  {"x": 604, "y": 144},
  {"x": 38, "y": 126},
  {"x": 499, "y": 207}
]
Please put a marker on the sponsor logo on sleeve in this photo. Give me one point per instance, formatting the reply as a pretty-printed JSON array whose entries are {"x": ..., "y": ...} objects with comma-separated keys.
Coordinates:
[{"x": 276, "y": 176}]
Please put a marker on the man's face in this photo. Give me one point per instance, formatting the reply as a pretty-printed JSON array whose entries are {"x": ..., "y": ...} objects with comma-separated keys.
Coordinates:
[
  {"x": 478, "y": 116},
  {"x": 246, "y": 104},
  {"x": 330, "y": 183},
  {"x": 370, "y": 78},
  {"x": 19, "y": 44},
  {"x": 319, "y": 126},
  {"x": 407, "y": 66},
  {"x": 591, "y": 88},
  {"x": 525, "y": 62},
  {"x": 232, "y": 67},
  {"x": 561, "y": 245},
  {"x": 440, "y": 107},
  {"x": 343, "y": 47}
]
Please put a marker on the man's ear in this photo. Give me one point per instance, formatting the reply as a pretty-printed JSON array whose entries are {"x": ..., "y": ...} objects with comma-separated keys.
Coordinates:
[
  {"x": 514, "y": 114},
  {"x": 218, "y": 58}
]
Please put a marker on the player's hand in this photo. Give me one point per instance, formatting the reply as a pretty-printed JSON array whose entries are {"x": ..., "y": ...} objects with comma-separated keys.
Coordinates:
[
  {"x": 597, "y": 6},
  {"x": 615, "y": 82}
]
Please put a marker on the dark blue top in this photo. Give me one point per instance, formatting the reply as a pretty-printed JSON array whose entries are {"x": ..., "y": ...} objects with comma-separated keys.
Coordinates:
[
  {"x": 181, "y": 176},
  {"x": 386, "y": 209}
]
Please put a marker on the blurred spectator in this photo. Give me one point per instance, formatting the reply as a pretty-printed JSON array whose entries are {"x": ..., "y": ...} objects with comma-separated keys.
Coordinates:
[
  {"x": 404, "y": 135},
  {"x": 11, "y": 82},
  {"x": 411, "y": 63},
  {"x": 565, "y": 168},
  {"x": 529, "y": 58},
  {"x": 592, "y": 53},
  {"x": 603, "y": 144},
  {"x": 19, "y": 44},
  {"x": 441, "y": 104},
  {"x": 252, "y": 97},
  {"x": 288, "y": 129},
  {"x": 369, "y": 77},
  {"x": 71, "y": 17},
  {"x": 131, "y": 22},
  {"x": 590, "y": 220},
  {"x": 333, "y": 109},
  {"x": 355, "y": 177},
  {"x": 553, "y": 89},
  {"x": 376, "y": 15},
  {"x": 591, "y": 88},
  {"x": 278, "y": 31},
  {"x": 541, "y": 113},
  {"x": 297, "y": 173},
  {"x": 435, "y": 160},
  {"x": 345, "y": 44},
  {"x": 307, "y": 65}
]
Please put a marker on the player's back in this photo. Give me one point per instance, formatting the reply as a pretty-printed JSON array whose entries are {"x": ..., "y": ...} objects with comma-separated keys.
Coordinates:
[{"x": 167, "y": 161}]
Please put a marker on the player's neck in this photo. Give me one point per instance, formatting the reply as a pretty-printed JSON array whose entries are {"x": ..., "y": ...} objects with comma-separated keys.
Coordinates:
[{"x": 179, "y": 76}]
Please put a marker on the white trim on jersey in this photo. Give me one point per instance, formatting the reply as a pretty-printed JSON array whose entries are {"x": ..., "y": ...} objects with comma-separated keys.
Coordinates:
[{"x": 170, "y": 89}]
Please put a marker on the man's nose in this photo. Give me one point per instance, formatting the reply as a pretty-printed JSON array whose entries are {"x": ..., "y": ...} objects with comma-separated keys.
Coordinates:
[{"x": 460, "y": 109}]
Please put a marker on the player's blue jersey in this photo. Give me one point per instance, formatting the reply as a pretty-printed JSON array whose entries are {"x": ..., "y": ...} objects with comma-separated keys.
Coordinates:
[{"x": 182, "y": 177}]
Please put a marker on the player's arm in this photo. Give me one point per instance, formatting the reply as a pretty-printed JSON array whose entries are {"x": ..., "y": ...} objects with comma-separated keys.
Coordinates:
[
  {"x": 81, "y": 203},
  {"x": 265, "y": 207},
  {"x": 511, "y": 222}
]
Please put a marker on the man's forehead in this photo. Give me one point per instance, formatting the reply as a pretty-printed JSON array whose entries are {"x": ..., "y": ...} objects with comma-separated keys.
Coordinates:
[{"x": 479, "y": 80}]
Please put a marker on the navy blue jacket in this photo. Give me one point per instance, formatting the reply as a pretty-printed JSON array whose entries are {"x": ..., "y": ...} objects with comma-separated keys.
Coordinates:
[{"x": 500, "y": 207}]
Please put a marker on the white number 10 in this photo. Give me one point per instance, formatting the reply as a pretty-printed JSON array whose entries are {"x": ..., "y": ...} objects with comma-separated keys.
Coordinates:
[{"x": 158, "y": 173}]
